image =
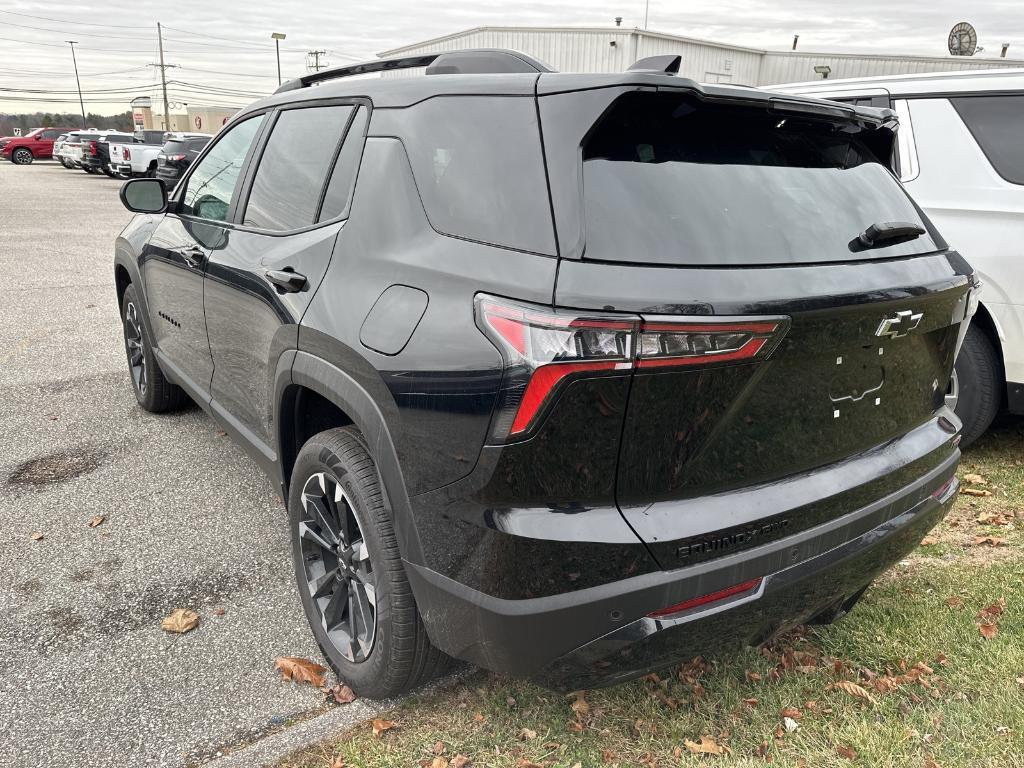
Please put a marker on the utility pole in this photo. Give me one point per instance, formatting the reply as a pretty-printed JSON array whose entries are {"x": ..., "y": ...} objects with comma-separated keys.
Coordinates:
[
  {"x": 79, "y": 82},
  {"x": 278, "y": 37},
  {"x": 315, "y": 65},
  {"x": 647, "y": 7},
  {"x": 163, "y": 77}
]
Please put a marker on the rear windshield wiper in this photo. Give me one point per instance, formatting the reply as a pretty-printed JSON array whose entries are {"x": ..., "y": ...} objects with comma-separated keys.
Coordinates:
[{"x": 886, "y": 233}]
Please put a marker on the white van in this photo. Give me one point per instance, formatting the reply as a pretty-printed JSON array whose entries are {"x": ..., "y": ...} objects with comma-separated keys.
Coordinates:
[{"x": 961, "y": 157}]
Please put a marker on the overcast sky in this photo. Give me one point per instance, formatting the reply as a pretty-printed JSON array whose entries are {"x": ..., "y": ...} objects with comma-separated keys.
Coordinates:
[{"x": 225, "y": 45}]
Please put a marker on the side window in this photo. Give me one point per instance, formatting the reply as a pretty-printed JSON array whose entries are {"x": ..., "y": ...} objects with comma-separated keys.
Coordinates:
[
  {"x": 50, "y": 135},
  {"x": 288, "y": 184},
  {"x": 343, "y": 179},
  {"x": 995, "y": 122},
  {"x": 479, "y": 168},
  {"x": 212, "y": 185}
]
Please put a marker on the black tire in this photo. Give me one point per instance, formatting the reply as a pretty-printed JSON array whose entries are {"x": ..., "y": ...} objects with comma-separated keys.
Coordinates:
[
  {"x": 400, "y": 656},
  {"x": 22, "y": 156},
  {"x": 108, "y": 173},
  {"x": 152, "y": 389},
  {"x": 66, "y": 163},
  {"x": 979, "y": 384},
  {"x": 150, "y": 172}
]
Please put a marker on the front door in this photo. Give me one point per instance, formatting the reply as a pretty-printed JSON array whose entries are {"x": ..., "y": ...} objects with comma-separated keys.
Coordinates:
[
  {"x": 175, "y": 259},
  {"x": 259, "y": 285}
]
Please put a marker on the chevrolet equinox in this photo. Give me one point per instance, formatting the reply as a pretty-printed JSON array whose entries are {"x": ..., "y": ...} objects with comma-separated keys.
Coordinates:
[{"x": 571, "y": 376}]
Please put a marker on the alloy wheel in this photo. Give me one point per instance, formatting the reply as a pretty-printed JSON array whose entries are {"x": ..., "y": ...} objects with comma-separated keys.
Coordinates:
[
  {"x": 135, "y": 345},
  {"x": 22, "y": 157},
  {"x": 337, "y": 571}
]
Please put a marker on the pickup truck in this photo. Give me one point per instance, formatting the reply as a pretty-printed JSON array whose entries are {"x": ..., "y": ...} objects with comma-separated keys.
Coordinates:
[
  {"x": 38, "y": 144},
  {"x": 137, "y": 157},
  {"x": 96, "y": 152}
]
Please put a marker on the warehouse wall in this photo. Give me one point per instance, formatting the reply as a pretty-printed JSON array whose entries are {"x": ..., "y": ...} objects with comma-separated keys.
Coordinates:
[{"x": 792, "y": 67}]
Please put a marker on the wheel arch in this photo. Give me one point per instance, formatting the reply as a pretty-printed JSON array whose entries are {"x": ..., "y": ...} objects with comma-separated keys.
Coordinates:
[{"x": 317, "y": 396}]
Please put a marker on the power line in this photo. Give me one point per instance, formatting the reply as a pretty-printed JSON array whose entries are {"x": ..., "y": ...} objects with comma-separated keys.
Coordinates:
[
  {"x": 81, "y": 47},
  {"x": 75, "y": 23},
  {"x": 64, "y": 31}
]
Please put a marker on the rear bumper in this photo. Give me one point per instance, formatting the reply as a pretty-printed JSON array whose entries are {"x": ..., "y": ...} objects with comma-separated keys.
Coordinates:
[
  {"x": 602, "y": 636},
  {"x": 125, "y": 169}
]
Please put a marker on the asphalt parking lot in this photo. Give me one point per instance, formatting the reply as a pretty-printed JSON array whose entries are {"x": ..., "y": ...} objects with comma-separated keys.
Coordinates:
[{"x": 88, "y": 677}]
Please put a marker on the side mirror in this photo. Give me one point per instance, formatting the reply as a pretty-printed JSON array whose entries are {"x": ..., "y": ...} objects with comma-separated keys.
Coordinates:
[{"x": 144, "y": 196}]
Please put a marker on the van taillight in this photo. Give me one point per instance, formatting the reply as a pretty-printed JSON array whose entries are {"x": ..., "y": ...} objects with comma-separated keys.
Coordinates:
[
  {"x": 544, "y": 349},
  {"x": 92, "y": 148}
]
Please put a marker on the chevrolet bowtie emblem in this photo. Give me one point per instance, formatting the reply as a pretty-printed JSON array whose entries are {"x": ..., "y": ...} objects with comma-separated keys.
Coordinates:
[{"x": 903, "y": 323}]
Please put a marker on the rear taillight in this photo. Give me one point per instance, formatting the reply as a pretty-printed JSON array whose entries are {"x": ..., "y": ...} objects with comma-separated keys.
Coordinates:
[
  {"x": 92, "y": 148},
  {"x": 544, "y": 349},
  {"x": 126, "y": 153},
  {"x": 179, "y": 158},
  {"x": 745, "y": 589}
]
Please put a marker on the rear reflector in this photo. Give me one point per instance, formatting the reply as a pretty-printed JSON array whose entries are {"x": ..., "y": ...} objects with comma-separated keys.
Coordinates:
[{"x": 714, "y": 597}]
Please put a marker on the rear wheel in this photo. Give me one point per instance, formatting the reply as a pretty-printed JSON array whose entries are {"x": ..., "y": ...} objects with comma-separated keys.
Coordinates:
[
  {"x": 152, "y": 389},
  {"x": 976, "y": 386},
  {"x": 22, "y": 156},
  {"x": 66, "y": 163},
  {"x": 350, "y": 574}
]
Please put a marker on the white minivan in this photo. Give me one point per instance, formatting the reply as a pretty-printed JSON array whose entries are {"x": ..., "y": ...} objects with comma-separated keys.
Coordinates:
[{"x": 961, "y": 157}]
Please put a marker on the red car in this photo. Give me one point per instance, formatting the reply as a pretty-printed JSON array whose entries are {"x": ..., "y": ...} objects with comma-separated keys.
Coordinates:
[{"x": 38, "y": 144}]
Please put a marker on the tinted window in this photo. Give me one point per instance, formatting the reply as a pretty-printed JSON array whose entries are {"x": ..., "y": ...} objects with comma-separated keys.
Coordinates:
[
  {"x": 343, "y": 178},
  {"x": 196, "y": 145},
  {"x": 480, "y": 171},
  {"x": 211, "y": 187},
  {"x": 668, "y": 179},
  {"x": 288, "y": 183},
  {"x": 173, "y": 148},
  {"x": 997, "y": 124}
]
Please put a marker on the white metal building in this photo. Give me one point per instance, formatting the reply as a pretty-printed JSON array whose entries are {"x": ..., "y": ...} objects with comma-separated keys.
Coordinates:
[{"x": 590, "y": 49}]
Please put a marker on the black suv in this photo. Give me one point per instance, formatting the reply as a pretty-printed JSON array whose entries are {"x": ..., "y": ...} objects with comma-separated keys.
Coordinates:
[
  {"x": 571, "y": 376},
  {"x": 177, "y": 154}
]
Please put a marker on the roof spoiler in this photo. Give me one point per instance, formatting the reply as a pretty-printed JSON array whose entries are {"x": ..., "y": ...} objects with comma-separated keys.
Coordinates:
[
  {"x": 468, "y": 62},
  {"x": 665, "y": 65}
]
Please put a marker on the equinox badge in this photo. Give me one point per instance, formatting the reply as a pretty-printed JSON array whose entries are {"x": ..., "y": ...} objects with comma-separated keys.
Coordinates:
[{"x": 903, "y": 323}]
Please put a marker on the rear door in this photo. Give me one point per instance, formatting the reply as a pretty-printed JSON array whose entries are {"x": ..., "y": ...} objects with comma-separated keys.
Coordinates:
[
  {"x": 783, "y": 334},
  {"x": 260, "y": 282}
]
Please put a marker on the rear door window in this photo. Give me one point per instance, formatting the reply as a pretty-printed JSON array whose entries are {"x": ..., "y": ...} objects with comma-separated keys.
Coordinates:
[
  {"x": 997, "y": 124},
  {"x": 668, "y": 179},
  {"x": 287, "y": 188},
  {"x": 343, "y": 178}
]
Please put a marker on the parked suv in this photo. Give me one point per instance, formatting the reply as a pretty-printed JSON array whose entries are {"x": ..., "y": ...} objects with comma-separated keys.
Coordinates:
[
  {"x": 36, "y": 145},
  {"x": 961, "y": 158},
  {"x": 178, "y": 153},
  {"x": 570, "y": 376}
]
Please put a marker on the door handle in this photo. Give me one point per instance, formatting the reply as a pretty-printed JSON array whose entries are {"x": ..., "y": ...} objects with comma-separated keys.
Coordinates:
[
  {"x": 286, "y": 280},
  {"x": 193, "y": 256}
]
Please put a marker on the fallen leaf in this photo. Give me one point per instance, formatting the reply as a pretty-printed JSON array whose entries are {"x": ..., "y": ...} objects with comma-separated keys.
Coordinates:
[
  {"x": 527, "y": 734},
  {"x": 846, "y": 752},
  {"x": 37, "y": 536},
  {"x": 706, "y": 746},
  {"x": 988, "y": 631},
  {"x": 955, "y": 602},
  {"x": 479, "y": 717},
  {"x": 996, "y": 609},
  {"x": 575, "y": 726},
  {"x": 750, "y": 702},
  {"x": 221, "y": 433},
  {"x": 218, "y": 611},
  {"x": 342, "y": 694},
  {"x": 752, "y": 677},
  {"x": 608, "y": 756},
  {"x": 927, "y": 541},
  {"x": 974, "y": 479},
  {"x": 180, "y": 620},
  {"x": 792, "y": 712},
  {"x": 580, "y": 705},
  {"x": 992, "y": 541},
  {"x": 522, "y": 762},
  {"x": 338, "y": 762},
  {"x": 439, "y": 747},
  {"x": 853, "y": 689},
  {"x": 460, "y": 761},
  {"x": 379, "y": 725},
  {"x": 929, "y": 763},
  {"x": 942, "y": 659},
  {"x": 96, "y": 520},
  {"x": 975, "y": 492},
  {"x": 790, "y": 724},
  {"x": 438, "y": 762},
  {"x": 301, "y": 670}
]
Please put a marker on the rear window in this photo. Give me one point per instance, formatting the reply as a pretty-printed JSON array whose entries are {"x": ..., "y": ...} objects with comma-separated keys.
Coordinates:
[
  {"x": 195, "y": 145},
  {"x": 669, "y": 180},
  {"x": 480, "y": 170},
  {"x": 996, "y": 123},
  {"x": 174, "y": 148}
]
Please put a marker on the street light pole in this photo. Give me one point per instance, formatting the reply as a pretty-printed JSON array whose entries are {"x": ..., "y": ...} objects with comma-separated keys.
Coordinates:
[
  {"x": 278, "y": 37},
  {"x": 77, "y": 81}
]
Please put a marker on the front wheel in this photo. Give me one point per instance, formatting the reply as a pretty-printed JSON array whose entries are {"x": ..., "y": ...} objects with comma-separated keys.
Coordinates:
[
  {"x": 351, "y": 579},
  {"x": 22, "y": 156},
  {"x": 975, "y": 390},
  {"x": 152, "y": 389}
]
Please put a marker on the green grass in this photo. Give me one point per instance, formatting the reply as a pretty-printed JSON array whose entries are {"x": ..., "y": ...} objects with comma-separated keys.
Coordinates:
[{"x": 970, "y": 714}]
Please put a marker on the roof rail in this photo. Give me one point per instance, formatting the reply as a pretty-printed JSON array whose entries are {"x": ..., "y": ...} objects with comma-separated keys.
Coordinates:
[
  {"x": 468, "y": 62},
  {"x": 667, "y": 64}
]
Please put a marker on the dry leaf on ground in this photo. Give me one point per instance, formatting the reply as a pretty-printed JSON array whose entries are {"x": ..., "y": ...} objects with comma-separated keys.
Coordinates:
[
  {"x": 96, "y": 520},
  {"x": 975, "y": 492},
  {"x": 37, "y": 536},
  {"x": 580, "y": 705},
  {"x": 342, "y": 694},
  {"x": 992, "y": 541},
  {"x": 460, "y": 761},
  {"x": 848, "y": 752},
  {"x": 793, "y": 712},
  {"x": 988, "y": 630},
  {"x": 974, "y": 479},
  {"x": 301, "y": 670},
  {"x": 380, "y": 726},
  {"x": 180, "y": 620},
  {"x": 955, "y": 602},
  {"x": 706, "y": 746},
  {"x": 927, "y": 541},
  {"x": 853, "y": 689},
  {"x": 526, "y": 734}
]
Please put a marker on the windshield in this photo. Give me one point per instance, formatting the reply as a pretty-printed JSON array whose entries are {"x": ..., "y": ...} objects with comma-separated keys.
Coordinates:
[{"x": 668, "y": 179}]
